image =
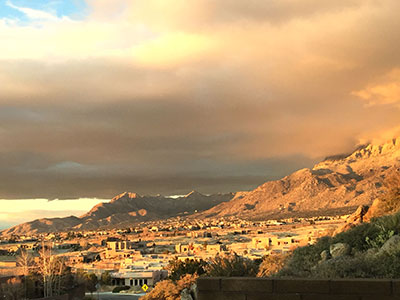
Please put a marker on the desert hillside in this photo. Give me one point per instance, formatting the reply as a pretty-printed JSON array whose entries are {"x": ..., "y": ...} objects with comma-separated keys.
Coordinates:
[{"x": 338, "y": 183}]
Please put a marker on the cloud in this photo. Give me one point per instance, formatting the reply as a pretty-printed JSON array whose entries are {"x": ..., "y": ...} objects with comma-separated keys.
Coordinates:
[
  {"x": 151, "y": 96},
  {"x": 33, "y": 14},
  {"x": 385, "y": 92}
]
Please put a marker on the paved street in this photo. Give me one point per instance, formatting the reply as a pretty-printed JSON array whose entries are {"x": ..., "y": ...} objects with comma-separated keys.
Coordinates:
[{"x": 111, "y": 296}]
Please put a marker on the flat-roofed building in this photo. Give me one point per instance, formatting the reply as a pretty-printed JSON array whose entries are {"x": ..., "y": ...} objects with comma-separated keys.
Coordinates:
[{"x": 137, "y": 278}]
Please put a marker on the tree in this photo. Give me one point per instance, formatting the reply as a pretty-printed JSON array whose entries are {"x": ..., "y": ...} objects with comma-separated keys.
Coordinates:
[
  {"x": 106, "y": 278},
  {"x": 90, "y": 282},
  {"x": 25, "y": 262},
  {"x": 51, "y": 269}
]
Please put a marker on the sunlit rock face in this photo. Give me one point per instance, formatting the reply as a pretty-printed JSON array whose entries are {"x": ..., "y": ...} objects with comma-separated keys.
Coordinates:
[{"x": 340, "y": 182}]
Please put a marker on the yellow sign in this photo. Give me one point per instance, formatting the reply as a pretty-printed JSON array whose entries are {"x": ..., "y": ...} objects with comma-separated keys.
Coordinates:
[{"x": 145, "y": 287}]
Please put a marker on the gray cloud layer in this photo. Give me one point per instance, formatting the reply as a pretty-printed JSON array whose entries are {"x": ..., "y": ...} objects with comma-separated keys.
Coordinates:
[{"x": 275, "y": 86}]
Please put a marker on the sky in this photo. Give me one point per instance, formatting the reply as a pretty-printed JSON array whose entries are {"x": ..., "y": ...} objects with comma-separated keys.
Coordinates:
[
  {"x": 17, "y": 211},
  {"x": 98, "y": 97}
]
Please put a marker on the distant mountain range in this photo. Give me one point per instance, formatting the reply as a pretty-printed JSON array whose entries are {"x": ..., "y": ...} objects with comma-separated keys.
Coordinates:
[
  {"x": 339, "y": 184},
  {"x": 123, "y": 210}
]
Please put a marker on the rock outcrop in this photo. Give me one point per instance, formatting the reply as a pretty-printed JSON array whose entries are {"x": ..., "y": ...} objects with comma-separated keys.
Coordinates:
[{"x": 357, "y": 218}]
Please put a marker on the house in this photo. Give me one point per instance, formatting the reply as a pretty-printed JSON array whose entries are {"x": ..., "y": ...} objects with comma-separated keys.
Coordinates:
[{"x": 137, "y": 277}]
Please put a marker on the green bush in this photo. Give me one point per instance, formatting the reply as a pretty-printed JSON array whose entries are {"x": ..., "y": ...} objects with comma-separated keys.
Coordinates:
[{"x": 117, "y": 289}]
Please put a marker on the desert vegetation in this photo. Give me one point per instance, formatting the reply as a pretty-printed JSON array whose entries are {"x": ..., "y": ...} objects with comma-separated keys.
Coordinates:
[{"x": 369, "y": 250}]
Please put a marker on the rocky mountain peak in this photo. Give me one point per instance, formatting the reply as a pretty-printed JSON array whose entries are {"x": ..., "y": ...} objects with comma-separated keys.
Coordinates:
[
  {"x": 340, "y": 183},
  {"x": 128, "y": 195},
  {"x": 193, "y": 194},
  {"x": 364, "y": 158}
]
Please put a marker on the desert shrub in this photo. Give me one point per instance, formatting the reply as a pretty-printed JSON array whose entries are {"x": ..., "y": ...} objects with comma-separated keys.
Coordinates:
[
  {"x": 169, "y": 289},
  {"x": 390, "y": 222},
  {"x": 384, "y": 228},
  {"x": 117, "y": 289},
  {"x": 370, "y": 235},
  {"x": 271, "y": 264},
  {"x": 361, "y": 265},
  {"x": 231, "y": 265},
  {"x": 388, "y": 266},
  {"x": 164, "y": 290},
  {"x": 380, "y": 238},
  {"x": 303, "y": 259},
  {"x": 356, "y": 237},
  {"x": 357, "y": 266},
  {"x": 178, "y": 268},
  {"x": 365, "y": 260}
]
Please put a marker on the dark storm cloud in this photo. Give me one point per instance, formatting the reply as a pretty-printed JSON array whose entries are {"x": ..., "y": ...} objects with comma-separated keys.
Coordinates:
[{"x": 218, "y": 96}]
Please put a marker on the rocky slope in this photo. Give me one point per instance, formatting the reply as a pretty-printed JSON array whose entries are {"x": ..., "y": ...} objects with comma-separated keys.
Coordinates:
[
  {"x": 124, "y": 209},
  {"x": 339, "y": 183}
]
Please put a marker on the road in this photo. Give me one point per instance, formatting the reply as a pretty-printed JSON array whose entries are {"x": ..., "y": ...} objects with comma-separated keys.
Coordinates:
[{"x": 115, "y": 296}]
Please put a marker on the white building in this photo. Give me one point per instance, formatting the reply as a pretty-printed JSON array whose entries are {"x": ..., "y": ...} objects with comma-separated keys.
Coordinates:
[{"x": 137, "y": 277}]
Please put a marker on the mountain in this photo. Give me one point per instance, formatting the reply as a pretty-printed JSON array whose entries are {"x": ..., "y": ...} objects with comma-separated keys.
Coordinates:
[
  {"x": 337, "y": 184},
  {"x": 124, "y": 209}
]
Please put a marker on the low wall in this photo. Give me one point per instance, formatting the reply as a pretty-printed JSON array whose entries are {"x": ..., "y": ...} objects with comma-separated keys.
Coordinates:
[
  {"x": 241, "y": 288},
  {"x": 60, "y": 297}
]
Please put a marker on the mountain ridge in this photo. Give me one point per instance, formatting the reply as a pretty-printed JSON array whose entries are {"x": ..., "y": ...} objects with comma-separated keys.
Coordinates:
[
  {"x": 340, "y": 183},
  {"x": 337, "y": 184},
  {"x": 124, "y": 208}
]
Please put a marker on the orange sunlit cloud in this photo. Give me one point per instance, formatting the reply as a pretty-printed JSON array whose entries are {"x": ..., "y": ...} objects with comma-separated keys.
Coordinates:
[{"x": 170, "y": 96}]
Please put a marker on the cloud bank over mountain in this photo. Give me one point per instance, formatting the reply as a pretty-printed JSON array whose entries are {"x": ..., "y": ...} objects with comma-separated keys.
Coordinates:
[{"x": 169, "y": 96}]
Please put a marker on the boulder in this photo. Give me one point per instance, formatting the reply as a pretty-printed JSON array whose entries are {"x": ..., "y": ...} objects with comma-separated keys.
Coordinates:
[
  {"x": 185, "y": 295},
  {"x": 193, "y": 291},
  {"x": 325, "y": 255},
  {"x": 339, "y": 249},
  {"x": 391, "y": 246}
]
